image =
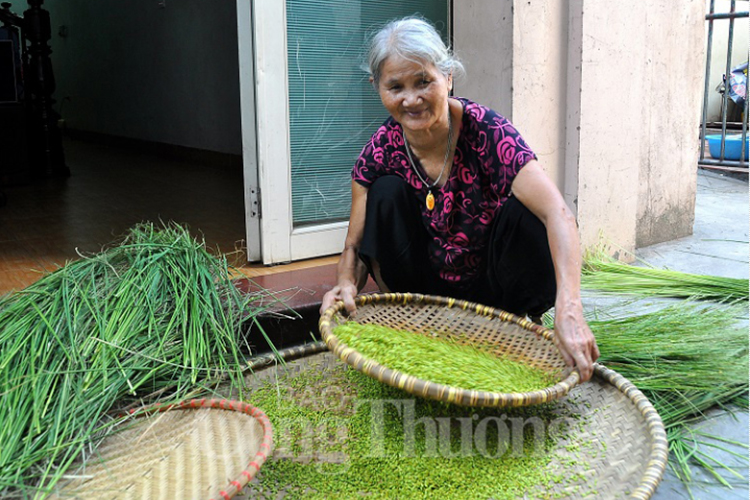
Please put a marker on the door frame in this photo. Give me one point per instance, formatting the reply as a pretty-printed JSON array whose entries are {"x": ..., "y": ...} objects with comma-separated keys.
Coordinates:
[
  {"x": 280, "y": 241},
  {"x": 246, "y": 61}
]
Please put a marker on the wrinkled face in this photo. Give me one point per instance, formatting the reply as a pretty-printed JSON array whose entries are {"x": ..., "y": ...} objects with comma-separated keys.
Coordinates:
[{"x": 416, "y": 95}]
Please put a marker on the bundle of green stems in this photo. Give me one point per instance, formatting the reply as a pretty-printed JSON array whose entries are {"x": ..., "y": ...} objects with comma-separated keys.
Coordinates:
[
  {"x": 605, "y": 274},
  {"x": 154, "y": 316},
  {"x": 687, "y": 357}
]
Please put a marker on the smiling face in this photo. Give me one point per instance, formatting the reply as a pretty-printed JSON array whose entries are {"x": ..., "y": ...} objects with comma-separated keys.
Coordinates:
[{"x": 415, "y": 94}]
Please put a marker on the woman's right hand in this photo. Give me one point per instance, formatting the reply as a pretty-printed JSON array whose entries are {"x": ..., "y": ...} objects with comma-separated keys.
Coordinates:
[
  {"x": 351, "y": 271},
  {"x": 343, "y": 291}
]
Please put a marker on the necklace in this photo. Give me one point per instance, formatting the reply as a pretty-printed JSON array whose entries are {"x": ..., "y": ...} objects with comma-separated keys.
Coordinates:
[{"x": 430, "y": 199}]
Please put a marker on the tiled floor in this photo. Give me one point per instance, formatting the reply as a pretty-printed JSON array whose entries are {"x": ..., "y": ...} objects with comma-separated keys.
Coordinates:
[{"x": 111, "y": 189}]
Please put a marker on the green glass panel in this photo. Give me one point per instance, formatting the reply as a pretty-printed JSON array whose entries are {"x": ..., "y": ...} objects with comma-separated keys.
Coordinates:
[{"x": 333, "y": 109}]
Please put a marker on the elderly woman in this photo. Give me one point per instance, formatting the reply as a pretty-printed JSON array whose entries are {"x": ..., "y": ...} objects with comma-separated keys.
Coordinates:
[{"x": 448, "y": 199}]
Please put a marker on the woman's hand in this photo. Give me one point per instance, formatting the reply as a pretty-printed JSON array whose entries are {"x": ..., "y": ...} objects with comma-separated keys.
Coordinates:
[
  {"x": 346, "y": 292},
  {"x": 573, "y": 336},
  {"x": 351, "y": 273},
  {"x": 574, "y": 339}
]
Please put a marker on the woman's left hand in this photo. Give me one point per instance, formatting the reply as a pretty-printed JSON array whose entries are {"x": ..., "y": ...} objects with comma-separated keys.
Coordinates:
[
  {"x": 574, "y": 339},
  {"x": 573, "y": 336}
]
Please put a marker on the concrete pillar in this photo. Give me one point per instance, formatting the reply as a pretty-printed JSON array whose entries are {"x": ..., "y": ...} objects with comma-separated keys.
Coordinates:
[
  {"x": 610, "y": 116},
  {"x": 674, "y": 73},
  {"x": 608, "y": 95},
  {"x": 482, "y": 37},
  {"x": 540, "y": 41}
]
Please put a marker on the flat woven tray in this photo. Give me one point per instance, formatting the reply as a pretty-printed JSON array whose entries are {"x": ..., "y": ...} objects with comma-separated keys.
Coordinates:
[
  {"x": 624, "y": 450},
  {"x": 193, "y": 450},
  {"x": 500, "y": 333}
]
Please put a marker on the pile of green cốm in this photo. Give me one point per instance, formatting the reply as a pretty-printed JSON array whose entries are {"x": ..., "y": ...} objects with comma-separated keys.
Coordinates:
[
  {"x": 605, "y": 274},
  {"x": 155, "y": 316},
  {"x": 442, "y": 361},
  {"x": 326, "y": 446}
]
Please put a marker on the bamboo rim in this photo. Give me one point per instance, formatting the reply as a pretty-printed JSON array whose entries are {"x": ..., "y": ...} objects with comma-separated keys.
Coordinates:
[
  {"x": 432, "y": 390},
  {"x": 659, "y": 454},
  {"x": 236, "y": 484},
  {"x": 659, "y": 448}
]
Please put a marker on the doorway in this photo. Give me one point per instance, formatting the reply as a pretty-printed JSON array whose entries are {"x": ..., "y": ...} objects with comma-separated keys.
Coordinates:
[{"x": 314, "y": 111}]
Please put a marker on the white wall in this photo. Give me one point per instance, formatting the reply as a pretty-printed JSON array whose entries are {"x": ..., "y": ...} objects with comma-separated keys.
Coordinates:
[{"x": 139, "y": 70}]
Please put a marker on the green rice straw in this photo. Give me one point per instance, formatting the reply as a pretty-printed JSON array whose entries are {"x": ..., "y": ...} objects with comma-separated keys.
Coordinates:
[
  {"x": 605, "y": 274},
  {"x": 686, "y": 358},
  {"x": 155, "y": 316}
]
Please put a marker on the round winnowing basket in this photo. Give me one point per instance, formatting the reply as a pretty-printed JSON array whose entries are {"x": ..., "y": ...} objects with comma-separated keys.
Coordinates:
[
  {"x": 618, "y": 452},
  {"x": 197, "y": 449},
  {"x": 498, "y": 332}
]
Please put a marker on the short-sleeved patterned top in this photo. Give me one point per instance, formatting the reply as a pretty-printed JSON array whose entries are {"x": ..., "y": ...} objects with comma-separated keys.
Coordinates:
[{"x": 489, "y": 154}]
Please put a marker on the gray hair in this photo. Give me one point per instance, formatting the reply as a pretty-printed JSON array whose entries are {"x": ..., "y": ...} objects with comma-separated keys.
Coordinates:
[{"x": 414, "y": 39}]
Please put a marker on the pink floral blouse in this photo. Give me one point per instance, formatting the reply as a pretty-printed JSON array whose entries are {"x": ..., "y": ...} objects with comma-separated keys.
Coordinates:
[{"x": 489, "y": 154}]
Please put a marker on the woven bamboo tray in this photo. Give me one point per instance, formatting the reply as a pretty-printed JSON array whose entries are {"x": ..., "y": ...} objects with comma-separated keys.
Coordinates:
[
  {"x": 629, "y": 446},
  {"x": 499, "y": 332},
  {"x": 197, "y": 449}
]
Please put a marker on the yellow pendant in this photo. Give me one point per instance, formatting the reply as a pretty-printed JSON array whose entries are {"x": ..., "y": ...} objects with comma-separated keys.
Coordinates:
[{"x": 430, "y": 200}]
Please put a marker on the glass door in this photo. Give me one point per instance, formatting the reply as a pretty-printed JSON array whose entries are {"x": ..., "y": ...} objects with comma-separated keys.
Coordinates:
[{"x": 315, "y": 109}]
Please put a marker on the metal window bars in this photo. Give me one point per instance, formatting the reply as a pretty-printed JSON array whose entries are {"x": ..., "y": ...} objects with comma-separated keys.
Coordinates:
[{"x": 722, "y": 163}]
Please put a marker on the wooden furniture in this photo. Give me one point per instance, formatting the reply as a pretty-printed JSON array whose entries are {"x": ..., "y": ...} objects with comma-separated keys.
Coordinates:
[{"x": 30, "y": 140}]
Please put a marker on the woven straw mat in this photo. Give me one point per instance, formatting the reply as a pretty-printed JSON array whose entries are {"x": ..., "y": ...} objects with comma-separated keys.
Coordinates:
[
  {"x": 466, "y": 323},
  {"x": 177, "y": 454},
  {"x": 623, "y": 447}
]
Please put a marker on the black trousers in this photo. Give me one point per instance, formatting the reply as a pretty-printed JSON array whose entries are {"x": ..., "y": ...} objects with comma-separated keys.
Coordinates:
[{"x": 517, "y": 273}]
